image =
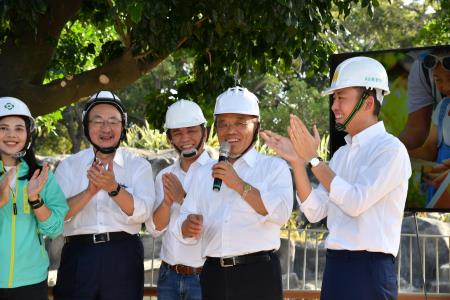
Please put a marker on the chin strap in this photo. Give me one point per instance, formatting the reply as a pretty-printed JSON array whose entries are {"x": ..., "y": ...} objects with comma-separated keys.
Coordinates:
[
  {"x": 343, "y": 126},
  {"x": 107, "y": 150},
  {"x": 23, "y": 152}
]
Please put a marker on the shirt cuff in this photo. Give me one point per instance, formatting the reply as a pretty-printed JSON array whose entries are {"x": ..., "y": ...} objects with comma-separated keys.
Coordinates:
[
  {"x": 53, "y": 226},
  {"x": 272, "y": 203},
  {"x": 140, "y": 211},
  {"x": 151, "y": 228},
  {"x": 175, "y": 227},
  {"x": 311, "y": 202}
]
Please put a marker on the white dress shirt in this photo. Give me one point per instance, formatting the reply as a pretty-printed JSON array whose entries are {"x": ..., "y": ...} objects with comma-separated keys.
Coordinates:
[
  {"x": 101, "y": 213},
  {"x": 230, "y": 225},
  {"x": 173, "y": 251},
  {"x": 367, "y": 196}
]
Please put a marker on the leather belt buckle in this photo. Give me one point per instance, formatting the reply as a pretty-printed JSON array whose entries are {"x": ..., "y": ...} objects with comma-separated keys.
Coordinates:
[
  {"x": 98, "y": 238},
  {"x": 224, "y": 264}
]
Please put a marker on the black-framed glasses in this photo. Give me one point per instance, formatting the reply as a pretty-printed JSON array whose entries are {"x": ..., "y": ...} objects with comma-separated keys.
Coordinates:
[{"x": 430, "y": 61}]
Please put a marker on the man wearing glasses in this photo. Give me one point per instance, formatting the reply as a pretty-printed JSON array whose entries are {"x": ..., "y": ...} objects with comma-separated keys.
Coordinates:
[
  {"x": 110, "y": 194},
  {"x": 423, "y": 96},
  {"x": 239, "y": 224}
]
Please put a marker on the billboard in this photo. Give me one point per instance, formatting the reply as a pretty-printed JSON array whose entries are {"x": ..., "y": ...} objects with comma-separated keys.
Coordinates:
[{"x": 418, "y": 112}]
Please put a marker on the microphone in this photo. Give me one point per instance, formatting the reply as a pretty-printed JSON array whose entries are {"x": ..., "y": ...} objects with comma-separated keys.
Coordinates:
[{"x": 224, "y": 152}]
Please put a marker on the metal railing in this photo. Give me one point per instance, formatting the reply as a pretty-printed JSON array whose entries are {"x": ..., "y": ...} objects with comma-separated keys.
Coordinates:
[
  {"x": 432, "y": 263},
  {"x": 302, "y": 256}
]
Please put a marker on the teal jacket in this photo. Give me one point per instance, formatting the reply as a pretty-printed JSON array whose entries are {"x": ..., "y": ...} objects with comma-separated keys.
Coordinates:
[{"x": 23, "y": 258}]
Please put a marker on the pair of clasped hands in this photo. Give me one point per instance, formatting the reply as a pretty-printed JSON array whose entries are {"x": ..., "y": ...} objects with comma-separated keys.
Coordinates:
[
  {"x": 101, "y": 177},
  {"x": 301, "y": 146}
]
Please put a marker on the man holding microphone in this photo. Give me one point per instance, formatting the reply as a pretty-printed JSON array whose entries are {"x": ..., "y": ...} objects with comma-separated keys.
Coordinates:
[{"x": 239, "y": 224}]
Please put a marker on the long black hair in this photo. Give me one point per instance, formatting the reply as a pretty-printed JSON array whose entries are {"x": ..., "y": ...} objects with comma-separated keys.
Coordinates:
[{"x": 29, "y": 156}]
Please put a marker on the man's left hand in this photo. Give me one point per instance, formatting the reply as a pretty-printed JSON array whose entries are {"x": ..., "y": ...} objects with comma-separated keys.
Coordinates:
[
  {"x": 103, "y": 179},
  {"x": 173, "y": 188}
]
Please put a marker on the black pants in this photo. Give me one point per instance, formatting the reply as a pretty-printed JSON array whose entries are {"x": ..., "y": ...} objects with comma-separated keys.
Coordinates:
[
  {"x": 108, "y": 271},
  {"x": 261, "y": 280},
  {"x": 38, "y": 291},
  {"x": 355, "y": 275}
]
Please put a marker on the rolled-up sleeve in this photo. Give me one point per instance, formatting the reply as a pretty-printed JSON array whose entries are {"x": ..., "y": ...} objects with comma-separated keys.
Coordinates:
[
  {"x": 384, "y": 173},
  {"x": 159, "y": 196},
  {"x": 143, "y": 192},
  {"x": 277, "y": 196},
  {"x": 315, "y": 206},
  {"x": 55, "y": 201}
]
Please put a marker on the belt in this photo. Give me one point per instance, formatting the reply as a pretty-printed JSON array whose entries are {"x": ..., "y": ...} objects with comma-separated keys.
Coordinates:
[
  {"x": 262, "y": 256},
  {"x": 98, "y": 238},
  {"x": 182, "y": 269}
]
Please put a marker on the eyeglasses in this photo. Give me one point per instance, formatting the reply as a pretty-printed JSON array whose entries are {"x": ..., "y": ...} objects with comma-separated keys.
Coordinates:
[
  {"x": 238, "y": 125},
  {"x": 430, "y": 61},
  {"x": 100, "y": 123}
]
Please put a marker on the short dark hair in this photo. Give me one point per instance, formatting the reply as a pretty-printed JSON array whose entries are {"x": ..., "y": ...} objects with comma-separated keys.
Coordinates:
[{"x": 373, "y": 93}]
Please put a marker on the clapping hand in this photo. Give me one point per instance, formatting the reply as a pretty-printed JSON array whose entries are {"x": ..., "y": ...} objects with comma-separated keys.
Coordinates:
[
  {"x": 280, "y": 144},
  {"x": 173, "y": 190},
  {"x": 304, "y": 143},
  {"x": 101, "y": 178},
  {"x": 37, "y": 182}
]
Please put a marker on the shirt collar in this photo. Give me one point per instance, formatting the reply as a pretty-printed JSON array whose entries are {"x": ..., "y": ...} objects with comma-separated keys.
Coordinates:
[
  {"x": 365, "y": 136},
  {"x": 201, "y": 160},
  {"x": 250, "y": 157}
]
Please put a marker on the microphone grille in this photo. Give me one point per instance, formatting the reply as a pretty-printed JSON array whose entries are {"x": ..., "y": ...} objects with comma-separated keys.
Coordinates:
[{"x": 224, "y": 149}]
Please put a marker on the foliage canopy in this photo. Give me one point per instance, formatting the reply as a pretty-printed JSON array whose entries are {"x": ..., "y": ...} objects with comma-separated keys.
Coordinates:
[{"x": 57, "y": 52}]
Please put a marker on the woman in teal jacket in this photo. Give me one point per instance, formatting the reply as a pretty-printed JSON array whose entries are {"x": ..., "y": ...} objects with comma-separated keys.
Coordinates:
[{"x": 31, "y": 205}]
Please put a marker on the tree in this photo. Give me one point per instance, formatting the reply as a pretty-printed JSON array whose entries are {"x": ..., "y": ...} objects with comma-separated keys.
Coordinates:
[
  {"x": 437, "y": 31},
  {"x": 52, "y": 53},
  {"x": 394, "y": 24}
]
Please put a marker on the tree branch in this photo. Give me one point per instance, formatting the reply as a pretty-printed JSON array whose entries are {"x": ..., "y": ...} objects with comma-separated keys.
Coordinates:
[
  {"x": 35, "y": 47},
  {"x": 125, "y": 37},
  {"x": 120, "y": 72}
]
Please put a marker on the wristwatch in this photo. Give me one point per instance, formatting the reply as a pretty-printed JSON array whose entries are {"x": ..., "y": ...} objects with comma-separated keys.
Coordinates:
[
  {"x": 115, "y": 192},
  {"x": 314, "y": 162},
  {"x": 247, "y": 188},
  {"x": 36, "y": 203}
]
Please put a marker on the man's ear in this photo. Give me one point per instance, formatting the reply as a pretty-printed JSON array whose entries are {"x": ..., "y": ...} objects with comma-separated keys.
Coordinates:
[
  {"x": 369, "y": 103},
  {"x": 169, "y": 137},
  {"x": 205, "y": 133}
]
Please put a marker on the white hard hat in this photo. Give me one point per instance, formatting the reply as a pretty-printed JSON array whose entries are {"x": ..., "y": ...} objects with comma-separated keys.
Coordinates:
[
  {"x": 184, "y": 113},
  {"x": 360, "y": 71},
  {"x": 237, "y": 100},
  {"x": 10, "y": 106}
]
